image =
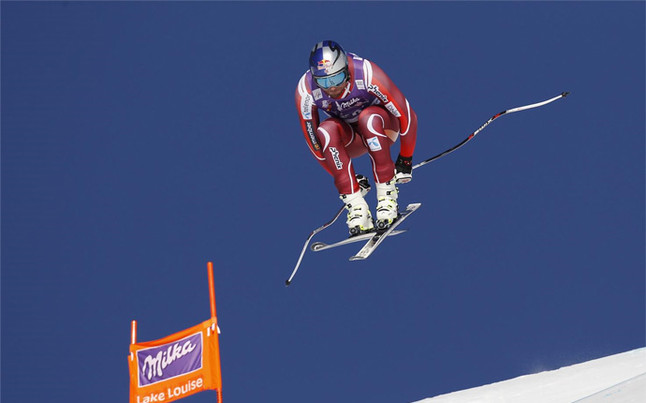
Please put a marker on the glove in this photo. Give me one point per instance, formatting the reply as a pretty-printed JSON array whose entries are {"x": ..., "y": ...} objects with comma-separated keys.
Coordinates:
[
  {"x": 364, "y": 184},
  {"x": 404, "y": 169}
]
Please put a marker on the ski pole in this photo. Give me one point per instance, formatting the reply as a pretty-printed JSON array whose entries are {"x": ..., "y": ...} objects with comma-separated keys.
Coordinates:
[
  {"x": 494, "y": 117},
  {"x": 309, "y": 238},
  {"x": 436, "y": 157}
]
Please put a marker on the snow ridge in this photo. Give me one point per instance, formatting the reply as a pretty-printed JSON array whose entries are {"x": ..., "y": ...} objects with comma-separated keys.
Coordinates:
[{"x": 619, "y": 378}]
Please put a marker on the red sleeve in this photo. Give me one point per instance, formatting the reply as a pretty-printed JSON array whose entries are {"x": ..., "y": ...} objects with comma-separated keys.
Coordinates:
[
  {"x": 379, "y": 84},
  {"x": 309, "y": 119}
]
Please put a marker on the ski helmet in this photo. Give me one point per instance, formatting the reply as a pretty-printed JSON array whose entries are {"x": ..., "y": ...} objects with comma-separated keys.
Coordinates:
[{"x": 328, "y": 58}]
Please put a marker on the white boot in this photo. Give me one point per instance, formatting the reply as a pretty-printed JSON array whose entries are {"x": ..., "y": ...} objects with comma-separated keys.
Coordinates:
[
  {"x": 359, "y": 217},
  {"x": 386, "y": 204}
]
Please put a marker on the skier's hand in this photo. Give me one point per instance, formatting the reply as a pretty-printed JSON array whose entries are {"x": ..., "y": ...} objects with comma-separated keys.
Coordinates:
[
  {"x": 404, "y": 169},
  {"x": 364, "y": 184}
]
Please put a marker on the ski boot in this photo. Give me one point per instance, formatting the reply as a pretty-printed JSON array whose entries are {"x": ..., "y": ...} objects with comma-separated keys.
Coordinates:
[
  {"x": 359, "y": 218},
  {"x": 386, "y": 204}
]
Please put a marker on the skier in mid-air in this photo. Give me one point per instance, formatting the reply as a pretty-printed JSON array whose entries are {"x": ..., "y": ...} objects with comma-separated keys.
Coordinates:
[{"x": 367, "y": 113}]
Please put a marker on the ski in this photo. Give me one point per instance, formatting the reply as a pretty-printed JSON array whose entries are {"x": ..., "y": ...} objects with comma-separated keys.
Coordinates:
[
  {"x": 318, "y": 246},
  {"x": 378, "y": 238}
]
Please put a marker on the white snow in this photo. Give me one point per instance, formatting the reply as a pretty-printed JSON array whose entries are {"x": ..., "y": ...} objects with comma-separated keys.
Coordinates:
[{"x": 619, "y": 378}]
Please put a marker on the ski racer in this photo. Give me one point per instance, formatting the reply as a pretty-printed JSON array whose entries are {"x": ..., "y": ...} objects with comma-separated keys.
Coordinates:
[{"x": 366, "y": 113}]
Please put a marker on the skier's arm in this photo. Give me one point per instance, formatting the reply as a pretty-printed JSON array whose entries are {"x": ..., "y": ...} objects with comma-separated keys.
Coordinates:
[
  {"x": 396, "y": 103},
  {"x": 309, "y": 119}
]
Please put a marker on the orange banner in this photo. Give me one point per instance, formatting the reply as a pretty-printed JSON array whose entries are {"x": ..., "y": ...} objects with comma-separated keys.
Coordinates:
[{"x": 176, "y": 366}]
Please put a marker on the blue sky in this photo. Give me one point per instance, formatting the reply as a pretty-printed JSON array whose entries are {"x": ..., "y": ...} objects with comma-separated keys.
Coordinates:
[{"x": 141, "y": 140}]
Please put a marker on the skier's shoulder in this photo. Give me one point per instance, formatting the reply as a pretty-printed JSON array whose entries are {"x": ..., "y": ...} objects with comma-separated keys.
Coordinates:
[
  {"x": 304, "y": 86},
  {"x": 370, "y": 70},
  {"x": 360, "y": 60},
  {"x": 355, "y": 57},
  {"x": 357, "y": 62}
]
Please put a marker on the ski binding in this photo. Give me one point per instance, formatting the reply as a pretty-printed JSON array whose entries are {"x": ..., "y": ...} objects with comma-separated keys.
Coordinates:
[{"x": 379, "y": 237}]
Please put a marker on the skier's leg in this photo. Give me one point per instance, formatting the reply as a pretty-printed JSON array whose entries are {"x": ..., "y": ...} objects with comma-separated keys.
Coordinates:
[
  {"x": 335, "y": 135},
  {"x": 379, "y": 129}
]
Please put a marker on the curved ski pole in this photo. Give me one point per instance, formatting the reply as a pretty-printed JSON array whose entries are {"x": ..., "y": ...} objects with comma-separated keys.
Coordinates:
[
  {"x": 494, "y": 117},
  {"x": 309, "y": 238}
]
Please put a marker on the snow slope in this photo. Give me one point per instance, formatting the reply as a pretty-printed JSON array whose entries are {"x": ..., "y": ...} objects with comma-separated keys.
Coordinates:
[{"x": 619, "y": 378}]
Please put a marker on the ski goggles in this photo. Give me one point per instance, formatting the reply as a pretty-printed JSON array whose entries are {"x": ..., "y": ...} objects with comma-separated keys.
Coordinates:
[{"x": 333, "y": 80}]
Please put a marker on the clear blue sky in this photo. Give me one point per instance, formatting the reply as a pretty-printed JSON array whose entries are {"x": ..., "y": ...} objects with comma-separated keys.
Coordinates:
[{"x": 141, "y": 140}]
